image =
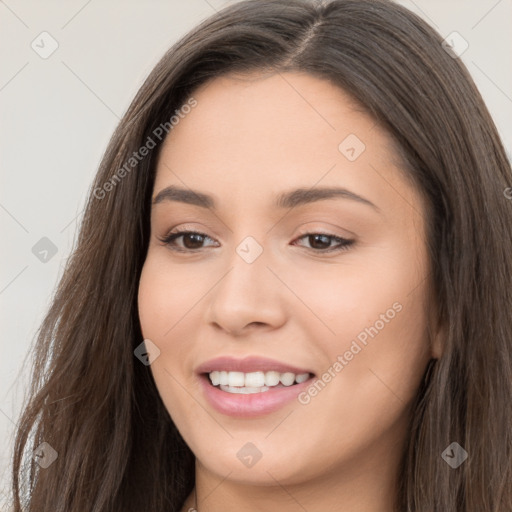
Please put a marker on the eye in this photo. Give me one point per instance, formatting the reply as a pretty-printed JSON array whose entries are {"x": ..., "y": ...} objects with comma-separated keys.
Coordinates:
[
  {"x": 321, "y": 242},
  {"x": 193, "y": 240}
]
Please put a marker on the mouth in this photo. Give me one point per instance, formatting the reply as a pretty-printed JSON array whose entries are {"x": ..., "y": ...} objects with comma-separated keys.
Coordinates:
[{"x": 251, "y": 387}]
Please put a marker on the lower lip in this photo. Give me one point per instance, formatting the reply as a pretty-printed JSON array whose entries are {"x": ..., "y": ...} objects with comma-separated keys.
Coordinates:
[{"x": 253, "y": 404}]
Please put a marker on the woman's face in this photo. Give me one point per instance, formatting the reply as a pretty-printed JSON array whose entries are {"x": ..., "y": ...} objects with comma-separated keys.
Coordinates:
[{"x": 286, "y": 281}]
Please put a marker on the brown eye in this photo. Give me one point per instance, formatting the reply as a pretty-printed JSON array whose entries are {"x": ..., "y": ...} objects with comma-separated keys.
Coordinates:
[
  {"x": 321, "y": 242},
  {"x": 191, "y": 240}
]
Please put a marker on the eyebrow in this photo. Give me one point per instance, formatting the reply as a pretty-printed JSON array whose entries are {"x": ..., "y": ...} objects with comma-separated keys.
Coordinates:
[{"x": 290, "y": 199}]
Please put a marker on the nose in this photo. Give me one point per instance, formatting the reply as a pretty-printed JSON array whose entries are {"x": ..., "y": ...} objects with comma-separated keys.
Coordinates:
[{"x": 247, "y": 297}]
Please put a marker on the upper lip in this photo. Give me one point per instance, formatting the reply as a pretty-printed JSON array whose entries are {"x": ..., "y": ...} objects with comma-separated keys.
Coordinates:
[{"x": 247, "y": 365}]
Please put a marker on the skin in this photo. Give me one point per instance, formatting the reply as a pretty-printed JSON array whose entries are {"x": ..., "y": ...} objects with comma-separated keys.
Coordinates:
[{"x": 247, "y": 140}]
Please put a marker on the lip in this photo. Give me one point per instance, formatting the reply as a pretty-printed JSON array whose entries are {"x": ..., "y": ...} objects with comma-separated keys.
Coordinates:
[
  {"x": 254, "y": 404},
  {"x": 248, "y": 364},
  {"x": 250, "y": 405}
]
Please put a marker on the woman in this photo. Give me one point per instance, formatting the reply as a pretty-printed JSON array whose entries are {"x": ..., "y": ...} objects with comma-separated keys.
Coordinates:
[{"x": 292, "y": 287}]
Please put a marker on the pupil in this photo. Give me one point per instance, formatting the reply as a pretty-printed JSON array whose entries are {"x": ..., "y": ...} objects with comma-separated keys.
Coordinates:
[
  {"x": 198, "y": 239},
  {"x": 316, "y": 238}
]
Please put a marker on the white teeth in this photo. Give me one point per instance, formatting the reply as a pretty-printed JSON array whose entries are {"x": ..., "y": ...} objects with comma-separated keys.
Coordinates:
[
  {"x": 287, "y": 379},
  {"x": 254, "y": 380},
  {"x": 271, "y": 378},
  {"x": 244, "y": 390},
  {"x": 215, "y": 378},
  {"x": 236, "y": 379},
  {"x": 301, "y": 378}
]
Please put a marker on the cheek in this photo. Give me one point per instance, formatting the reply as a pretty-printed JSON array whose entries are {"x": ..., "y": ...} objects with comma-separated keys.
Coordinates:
[
  {"x": 373, "y": 334},
  {"x": 161, "y": 315},
  {"x": 373, "y": 373},
  {"x": 168, "y": 312},
  {"x": 165, "y": 296},
  {"x": 161, "y": 307},
  {"x": 362, "y": 290}
]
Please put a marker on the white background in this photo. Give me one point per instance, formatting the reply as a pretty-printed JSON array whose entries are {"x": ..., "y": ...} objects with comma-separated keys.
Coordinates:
[{"x": 57, "y": 115}]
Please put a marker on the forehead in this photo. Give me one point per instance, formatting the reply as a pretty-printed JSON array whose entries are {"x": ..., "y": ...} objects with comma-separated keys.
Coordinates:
[
  {"x": 256, "y": 135},
  {"x": 275, "y": 109}
]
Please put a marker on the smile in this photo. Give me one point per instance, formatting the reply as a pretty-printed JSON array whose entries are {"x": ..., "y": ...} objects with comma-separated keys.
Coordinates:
[{"x": 252, "y": 386}]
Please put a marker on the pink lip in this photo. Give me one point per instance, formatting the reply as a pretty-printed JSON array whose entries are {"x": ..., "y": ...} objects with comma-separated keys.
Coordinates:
[
  {"x": 250, "y": 405},
  {"x": 248, "y": 364},
  {"x": 254, "y": 404}
]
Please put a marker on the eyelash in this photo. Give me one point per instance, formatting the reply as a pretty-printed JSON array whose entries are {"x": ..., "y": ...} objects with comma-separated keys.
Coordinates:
[{"x": 168, "y": 240}]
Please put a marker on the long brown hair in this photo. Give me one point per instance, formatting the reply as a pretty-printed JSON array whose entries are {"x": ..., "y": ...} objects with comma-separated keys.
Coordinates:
[{"x": 94, "y": 403}]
